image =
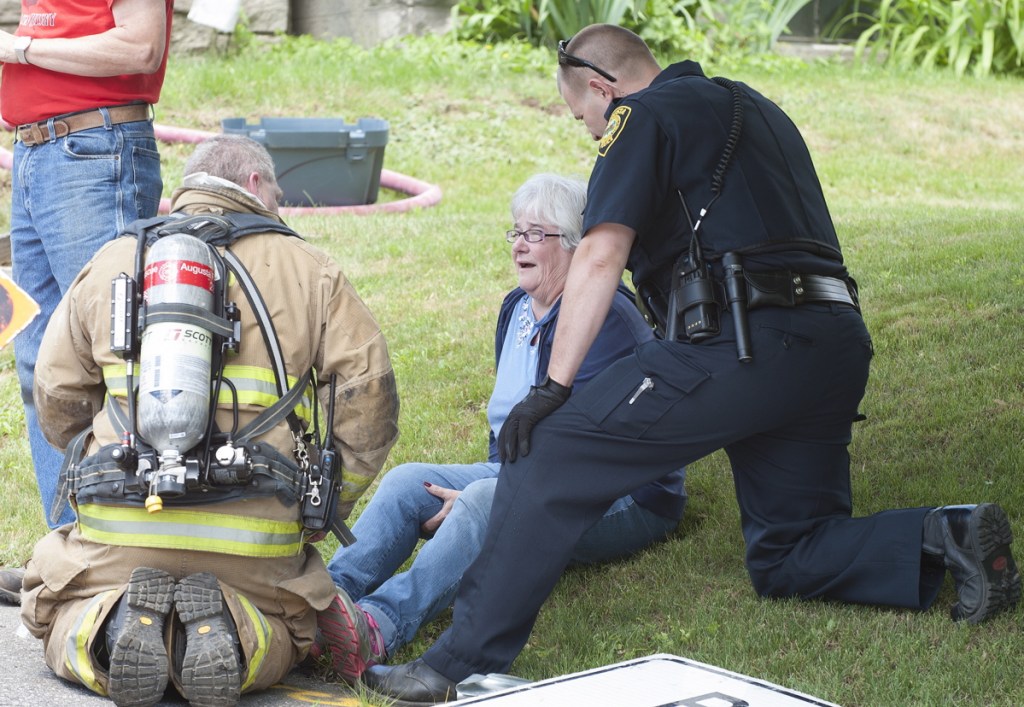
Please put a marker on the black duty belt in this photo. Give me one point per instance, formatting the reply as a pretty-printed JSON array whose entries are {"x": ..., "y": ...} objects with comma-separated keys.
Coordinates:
[
  {"x": 773, "y": 288},
  {"x": 821, "y": 288},
  {"x": 783, "y": 288}
]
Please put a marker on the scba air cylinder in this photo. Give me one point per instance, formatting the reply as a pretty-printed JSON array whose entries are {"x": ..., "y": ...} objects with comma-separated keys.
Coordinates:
[{"x": 174, "y": 378}]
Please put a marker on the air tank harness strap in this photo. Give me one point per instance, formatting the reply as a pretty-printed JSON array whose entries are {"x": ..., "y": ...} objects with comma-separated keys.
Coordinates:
[
  {"x": 102, "y": 468},
  {"x": 265, "y": 421},
  {"x": 101, "y": 478},
  {"x": 270, "y": 338},
  {"x": 73, "y": 455},
  {"x": 188, "y": 314},
  {"x": 271, "y": 416}
]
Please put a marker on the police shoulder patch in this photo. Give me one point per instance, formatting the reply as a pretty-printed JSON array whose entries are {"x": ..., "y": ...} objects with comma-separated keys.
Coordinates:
[{"x": 616, "y": 124}]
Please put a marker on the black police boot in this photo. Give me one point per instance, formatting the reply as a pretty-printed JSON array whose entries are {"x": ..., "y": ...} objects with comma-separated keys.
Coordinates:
[
  {"x": 211, "y": 671},
  {"x": 138, "y": 658},
  {"x": 409, "y": 684},
  {"x": 974, "y": 543}
]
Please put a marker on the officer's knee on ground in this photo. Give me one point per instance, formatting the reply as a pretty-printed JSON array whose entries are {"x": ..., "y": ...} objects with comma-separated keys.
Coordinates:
[{"x": 766, "y": 584}]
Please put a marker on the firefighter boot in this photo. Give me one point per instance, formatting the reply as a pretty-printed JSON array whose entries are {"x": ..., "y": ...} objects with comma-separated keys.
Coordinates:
[
  {"x": 211, "y": 672},
  {"x": 135, "y": 636},
  {"x": 10, "y": 584}
]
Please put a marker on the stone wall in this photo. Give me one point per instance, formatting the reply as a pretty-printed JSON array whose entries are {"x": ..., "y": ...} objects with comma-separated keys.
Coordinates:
[
  {"x": 264, "y": 17},
  {"x": 366, "y": 22}
]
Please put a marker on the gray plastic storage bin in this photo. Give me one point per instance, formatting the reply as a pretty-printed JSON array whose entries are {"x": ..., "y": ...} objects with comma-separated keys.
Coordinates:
[{"x": 321, "y": 161}]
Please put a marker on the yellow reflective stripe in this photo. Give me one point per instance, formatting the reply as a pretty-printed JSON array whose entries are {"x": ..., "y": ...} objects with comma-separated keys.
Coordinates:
[
  {"x": 115, "y": 377},
  {"x": 76, "y": 649},
  {"x": 188, "y": 529},
  {"x": 264, "y": 634},
  {"x": 352, "y": 487},
  {"x": 256, "y": 373},
  {"x": 257, "y": 386},
  {"x": 250, "y": 391},
  {"x": 254, "y": 385}
]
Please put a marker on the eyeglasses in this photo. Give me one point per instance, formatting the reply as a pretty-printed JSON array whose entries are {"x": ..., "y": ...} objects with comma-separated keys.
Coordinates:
[
  {"x": 534, "y": 235},
  {"x": 567, "y": 59}
]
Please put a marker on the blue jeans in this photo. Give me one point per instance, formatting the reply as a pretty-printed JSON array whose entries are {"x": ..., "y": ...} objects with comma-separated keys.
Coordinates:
[
  {"x": 70, "y": 196},
  {"x": 389, "y": 528}
]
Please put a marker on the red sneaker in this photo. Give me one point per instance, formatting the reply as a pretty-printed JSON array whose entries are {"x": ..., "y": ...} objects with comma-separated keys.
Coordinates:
[{"x": 350, "y": 637}]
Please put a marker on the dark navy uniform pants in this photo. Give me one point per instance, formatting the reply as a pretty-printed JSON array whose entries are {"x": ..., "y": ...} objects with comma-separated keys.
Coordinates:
[{"x": 785, "y": 422}]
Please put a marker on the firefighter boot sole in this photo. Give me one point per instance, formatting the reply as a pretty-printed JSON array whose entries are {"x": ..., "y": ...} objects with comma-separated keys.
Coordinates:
[
  {"x": 211, "y": 674},
  {"x": 138, "y": 658}
]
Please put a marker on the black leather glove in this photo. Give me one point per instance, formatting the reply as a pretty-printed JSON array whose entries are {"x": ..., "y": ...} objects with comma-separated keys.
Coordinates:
[{"x": 541, "y": 401}]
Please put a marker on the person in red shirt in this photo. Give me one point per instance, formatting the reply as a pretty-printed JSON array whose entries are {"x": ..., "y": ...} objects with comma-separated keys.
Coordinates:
[{"x": 79, "y": 81}]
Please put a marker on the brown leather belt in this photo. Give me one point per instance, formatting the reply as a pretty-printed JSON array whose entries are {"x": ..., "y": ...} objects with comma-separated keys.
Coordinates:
[{"x": 36, "y": 133}]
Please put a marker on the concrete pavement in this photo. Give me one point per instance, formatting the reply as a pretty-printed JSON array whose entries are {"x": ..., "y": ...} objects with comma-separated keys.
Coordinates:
[{"x": 25, "y": 681}]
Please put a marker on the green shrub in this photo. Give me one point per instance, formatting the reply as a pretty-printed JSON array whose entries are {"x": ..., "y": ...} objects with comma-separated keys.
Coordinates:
[
  {"x": 725, "y": 30},
  {"x": 537, "y": 21},
  {"x": 748, "y": 27},
  {"x": 983, "y": 36},
  {"x": 563, "y": 18},
  {"x": 674, "y": 29}
]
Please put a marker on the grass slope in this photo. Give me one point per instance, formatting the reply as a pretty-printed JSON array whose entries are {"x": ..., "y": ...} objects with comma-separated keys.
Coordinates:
[{"x": 923, "y": 176}]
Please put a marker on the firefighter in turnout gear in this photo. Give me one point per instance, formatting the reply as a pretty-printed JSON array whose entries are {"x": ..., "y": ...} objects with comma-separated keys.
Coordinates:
[{"x": 191, "y": 563}]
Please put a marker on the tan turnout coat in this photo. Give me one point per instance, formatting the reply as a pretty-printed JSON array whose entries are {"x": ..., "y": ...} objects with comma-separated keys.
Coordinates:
[{"x": 322, "y": 323}]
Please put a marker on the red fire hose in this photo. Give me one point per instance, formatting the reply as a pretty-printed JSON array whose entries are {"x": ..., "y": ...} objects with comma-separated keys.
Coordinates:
[{"x": 420, "y": 194}]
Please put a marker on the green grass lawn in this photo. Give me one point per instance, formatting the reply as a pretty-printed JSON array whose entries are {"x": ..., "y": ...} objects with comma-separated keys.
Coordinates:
[{"x": 923, "y": 173}]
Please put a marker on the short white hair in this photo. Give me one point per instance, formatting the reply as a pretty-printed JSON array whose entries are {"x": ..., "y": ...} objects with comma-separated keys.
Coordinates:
[
  {"x": 555, "y": 200},
  {"x": 232, "y": 157}
]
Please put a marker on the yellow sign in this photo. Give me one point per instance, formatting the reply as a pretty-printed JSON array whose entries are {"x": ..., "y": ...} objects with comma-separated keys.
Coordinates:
[{"x": 17, "y": 309}]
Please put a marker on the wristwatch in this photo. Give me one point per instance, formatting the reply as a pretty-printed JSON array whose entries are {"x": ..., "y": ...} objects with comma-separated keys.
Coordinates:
[{"x": 20, "y": 47}]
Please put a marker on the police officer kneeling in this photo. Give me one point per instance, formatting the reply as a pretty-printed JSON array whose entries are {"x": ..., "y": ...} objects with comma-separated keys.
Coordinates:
[
  {"x": 705, "y": 191},
  {"x": 198, "y": 495}
]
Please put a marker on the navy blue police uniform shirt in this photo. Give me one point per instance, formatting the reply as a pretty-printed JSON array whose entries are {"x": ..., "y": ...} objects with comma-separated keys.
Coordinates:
[{"x": 671, "y": 135}]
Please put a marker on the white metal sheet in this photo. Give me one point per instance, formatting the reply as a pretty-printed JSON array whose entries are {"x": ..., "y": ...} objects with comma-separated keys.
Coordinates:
[{"x": 655, "y": 681}]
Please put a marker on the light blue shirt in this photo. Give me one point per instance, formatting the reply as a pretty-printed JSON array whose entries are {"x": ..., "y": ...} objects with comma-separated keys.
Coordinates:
[{"x": 517, "y": 368}]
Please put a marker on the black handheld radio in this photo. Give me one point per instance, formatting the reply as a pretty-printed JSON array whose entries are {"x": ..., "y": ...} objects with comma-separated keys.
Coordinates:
[{"x": 694, "y": 296}]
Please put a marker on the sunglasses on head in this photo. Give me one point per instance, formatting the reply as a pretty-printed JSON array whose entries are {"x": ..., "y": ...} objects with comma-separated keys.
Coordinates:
[{"x": 567, "y": 59}]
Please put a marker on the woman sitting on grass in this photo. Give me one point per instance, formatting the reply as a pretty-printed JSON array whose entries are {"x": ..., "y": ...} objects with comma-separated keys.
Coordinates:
[{"x": 377, "y": 611}]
